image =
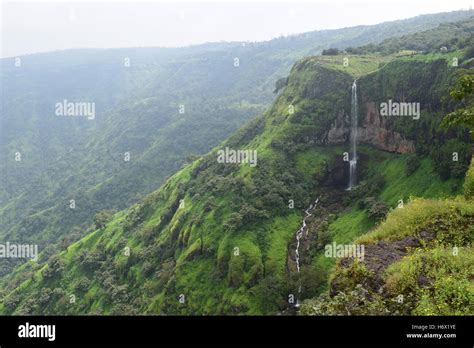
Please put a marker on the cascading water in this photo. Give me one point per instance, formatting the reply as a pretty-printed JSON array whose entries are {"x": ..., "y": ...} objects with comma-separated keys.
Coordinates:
[
  {"x": 299, "y": 235},
  {"x": 353, "y": 138}
]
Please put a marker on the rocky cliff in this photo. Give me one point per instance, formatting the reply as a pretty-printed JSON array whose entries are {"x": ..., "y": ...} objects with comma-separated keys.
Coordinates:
[{"x": 373, "y": 131}]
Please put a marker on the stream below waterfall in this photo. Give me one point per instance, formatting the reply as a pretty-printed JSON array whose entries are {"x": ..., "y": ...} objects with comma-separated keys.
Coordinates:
[
  {"x": 299, "y": 234},
  {"x": 301, "y": 231}
]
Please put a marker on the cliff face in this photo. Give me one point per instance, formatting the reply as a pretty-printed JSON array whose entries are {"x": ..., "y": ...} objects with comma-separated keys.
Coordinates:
[{"x": 373, "y": 131}]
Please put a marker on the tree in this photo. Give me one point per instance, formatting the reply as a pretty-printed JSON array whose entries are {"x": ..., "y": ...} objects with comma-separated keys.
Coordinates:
[
  {"x": 70, "y": 238},
  {"x": 233, "y": 222},
  {"x": 102, "y": 218},
  {"x": 330, "y": 52},
  {"x": 55, "y": 267},
  {"x": 464, "y": 115},
  {"x": 83, "y": 284},
  {"x": 12, "y": 301},
  {"x": 443, "y": 159}
]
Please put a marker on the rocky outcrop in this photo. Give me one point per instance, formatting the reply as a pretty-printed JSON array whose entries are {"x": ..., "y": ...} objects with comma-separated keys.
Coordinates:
[
  {"x": 372, "y": 131},
  {"x": 379, "y": 256}
]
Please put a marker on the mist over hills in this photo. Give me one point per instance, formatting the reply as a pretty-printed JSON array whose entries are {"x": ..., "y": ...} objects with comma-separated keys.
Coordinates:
[{"x": 169, "y": 111}]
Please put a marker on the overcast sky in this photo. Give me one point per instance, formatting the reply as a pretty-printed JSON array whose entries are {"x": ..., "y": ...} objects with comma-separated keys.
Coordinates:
[{"x": 30, "y": 27}]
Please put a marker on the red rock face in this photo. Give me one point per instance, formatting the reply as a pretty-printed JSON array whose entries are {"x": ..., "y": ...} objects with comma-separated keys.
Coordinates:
[{"x": 373, "y": 131}]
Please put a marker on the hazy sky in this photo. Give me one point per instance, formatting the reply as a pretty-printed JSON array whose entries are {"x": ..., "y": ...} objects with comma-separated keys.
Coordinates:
[{"x": 39, "y": 26}]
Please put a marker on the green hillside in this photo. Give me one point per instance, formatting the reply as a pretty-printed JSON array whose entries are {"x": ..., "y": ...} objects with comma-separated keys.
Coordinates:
[
  {"x": 219, "y": 238},
  {"x": 419, "y": 262},
  {"x": 137, "y": 113}
]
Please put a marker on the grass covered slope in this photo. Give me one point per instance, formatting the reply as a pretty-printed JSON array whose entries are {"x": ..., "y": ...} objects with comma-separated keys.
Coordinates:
[
  {"x": 210, "y": 233},
  {"x": 420, "y": 261},
  {"x": 138, "y": 112},
  {"x": 217, "y": 238}
]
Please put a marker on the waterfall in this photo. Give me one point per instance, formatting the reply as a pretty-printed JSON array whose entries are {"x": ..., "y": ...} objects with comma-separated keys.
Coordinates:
[{"x": 353, "y": 138}]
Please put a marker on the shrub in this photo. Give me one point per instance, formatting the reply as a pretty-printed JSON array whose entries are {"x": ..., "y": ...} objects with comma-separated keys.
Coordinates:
[
  {"x": 439, "y": 279},
  {"x": 44, "y": 296},
  {"x": 351, "y": 302},
  {"x": 83, "y": 284},
  {"x": 375, "y": 208},
  {"x": 378, "y": 210}
]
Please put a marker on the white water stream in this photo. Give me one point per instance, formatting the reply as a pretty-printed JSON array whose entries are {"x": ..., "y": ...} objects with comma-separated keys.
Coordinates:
[
  {"x": 353, "y": 137},
  {"x": 303, "y": 229},
  {"x": 299, "y": 234}
]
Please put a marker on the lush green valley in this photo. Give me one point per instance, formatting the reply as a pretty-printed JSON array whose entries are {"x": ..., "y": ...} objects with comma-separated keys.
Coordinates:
[
  {"x": 157, "y": 109},
  {"x": 221, "y": 238}
]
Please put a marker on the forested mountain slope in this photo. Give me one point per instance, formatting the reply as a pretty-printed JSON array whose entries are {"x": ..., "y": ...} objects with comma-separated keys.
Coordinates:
[
  {"x": 219, "y": 238},
  {"x": 157, "y": 106}
]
